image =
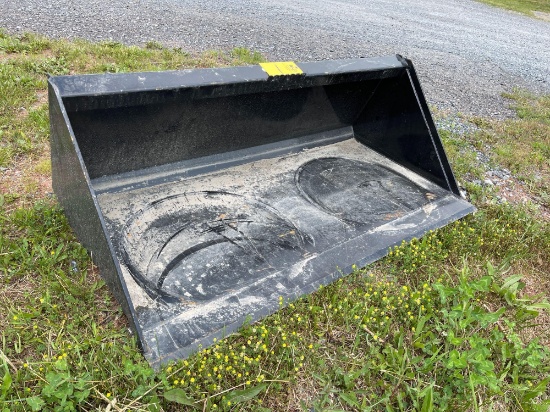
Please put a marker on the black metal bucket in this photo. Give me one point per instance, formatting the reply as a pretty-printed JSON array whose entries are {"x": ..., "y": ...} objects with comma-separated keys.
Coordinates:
[{"x": 204, "y": 195}]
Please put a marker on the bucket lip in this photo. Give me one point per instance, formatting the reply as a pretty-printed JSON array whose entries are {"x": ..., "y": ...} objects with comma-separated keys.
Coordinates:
[{"x": 117, "y": 83}]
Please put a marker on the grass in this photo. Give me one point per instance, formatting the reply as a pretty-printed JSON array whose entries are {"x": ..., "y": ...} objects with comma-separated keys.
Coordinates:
[
  {"x": 523, "y": 145},
  {"x": 520, "y": 145},
  {"x": 455, "y": 320},
  {"x": 522, "y": 6}
]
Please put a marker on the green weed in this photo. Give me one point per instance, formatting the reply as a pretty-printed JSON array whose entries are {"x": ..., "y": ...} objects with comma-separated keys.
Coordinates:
[
  {"x": 245, "y": 55},
  {"x": 28, "y": 43},
  {"x": 375, "y": 344},
  {"x": 153, "y": 45}
]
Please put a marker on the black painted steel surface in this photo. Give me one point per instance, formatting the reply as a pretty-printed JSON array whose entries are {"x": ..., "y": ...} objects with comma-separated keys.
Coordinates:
[{"x": 204, "y": 195}]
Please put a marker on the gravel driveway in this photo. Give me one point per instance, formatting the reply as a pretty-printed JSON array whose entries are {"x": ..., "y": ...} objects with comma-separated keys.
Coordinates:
[{"x": 466, "y": 53}]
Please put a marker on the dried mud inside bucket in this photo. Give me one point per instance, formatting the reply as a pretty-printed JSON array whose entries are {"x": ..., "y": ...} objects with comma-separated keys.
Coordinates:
[
  {"x": 358, "y": 192},
  {"x": 202, "y": 253},
  {"x": 199, "y": 245}
]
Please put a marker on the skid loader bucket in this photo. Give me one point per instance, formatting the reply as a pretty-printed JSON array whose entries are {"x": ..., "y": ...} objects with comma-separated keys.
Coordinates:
[{"x": 205, "y": 195}]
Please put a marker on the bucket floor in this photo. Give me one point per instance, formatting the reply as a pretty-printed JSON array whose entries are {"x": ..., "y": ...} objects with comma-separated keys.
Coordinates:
[{"x": 200, "y": 254}]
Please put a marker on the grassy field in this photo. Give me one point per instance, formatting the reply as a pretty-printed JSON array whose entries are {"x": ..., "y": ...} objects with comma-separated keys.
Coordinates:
[
  {"x": 456, "y": 320},
  {"x": 523, "y": 6}
]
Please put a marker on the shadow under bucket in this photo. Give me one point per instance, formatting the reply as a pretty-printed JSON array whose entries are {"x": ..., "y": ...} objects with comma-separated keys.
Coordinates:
[{"x": 204, "y": 195}]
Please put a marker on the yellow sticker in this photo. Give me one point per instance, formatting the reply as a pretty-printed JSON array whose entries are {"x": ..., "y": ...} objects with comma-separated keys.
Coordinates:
[{"x": 281, "y": 68}]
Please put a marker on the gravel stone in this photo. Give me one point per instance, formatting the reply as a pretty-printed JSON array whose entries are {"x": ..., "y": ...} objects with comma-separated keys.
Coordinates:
[
  {"x": 466, "y": 53},
  {"x": 502, "y": 174},
  {"x": 482, "y": 157},
  {"x": 454, "y": 124}
]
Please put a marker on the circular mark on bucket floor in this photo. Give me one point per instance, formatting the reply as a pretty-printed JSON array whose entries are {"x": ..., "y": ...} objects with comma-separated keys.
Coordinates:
[
  {"x": 202, "y": 244},
  {"x": 358, "y": 192}
]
